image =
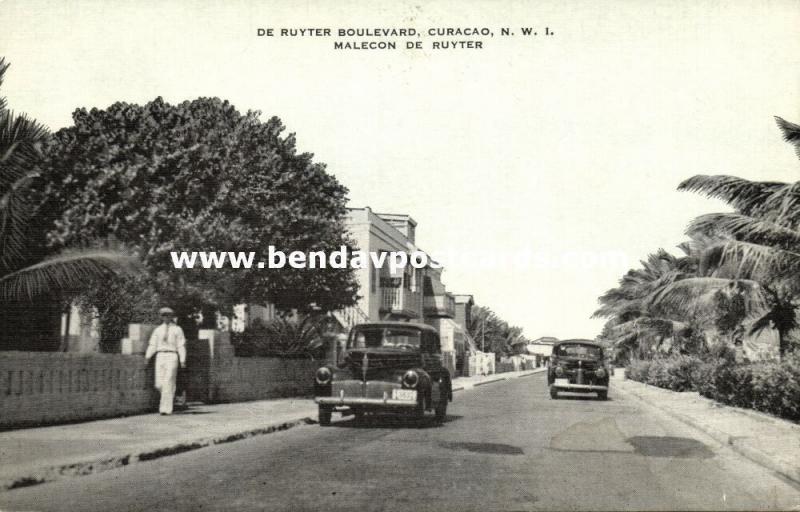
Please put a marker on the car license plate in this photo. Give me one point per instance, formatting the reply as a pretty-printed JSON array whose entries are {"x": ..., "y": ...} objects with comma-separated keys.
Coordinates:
[
  {"x": 404, "y": 394},
  {"x": 561, "y": 382}
]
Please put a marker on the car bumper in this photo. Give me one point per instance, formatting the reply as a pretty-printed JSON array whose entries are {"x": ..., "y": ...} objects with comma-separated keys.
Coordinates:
[
  {"x": 580, "y": 387},
  {"x": 335, "y": 401}
]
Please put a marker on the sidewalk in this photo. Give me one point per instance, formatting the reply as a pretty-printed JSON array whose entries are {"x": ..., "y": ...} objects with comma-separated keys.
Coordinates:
[
  {"x": 766, "y": 440},
  {"x": 463, "y": 383},
  {"x": 35, "y": 455}
]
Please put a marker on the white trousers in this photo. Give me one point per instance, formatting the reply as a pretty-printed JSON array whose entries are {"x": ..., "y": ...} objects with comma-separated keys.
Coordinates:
[{"x": 166, "y": 378}]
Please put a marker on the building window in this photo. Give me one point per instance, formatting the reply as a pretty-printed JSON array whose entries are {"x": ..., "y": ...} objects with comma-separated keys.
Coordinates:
[{"x": 373, "y": 278}]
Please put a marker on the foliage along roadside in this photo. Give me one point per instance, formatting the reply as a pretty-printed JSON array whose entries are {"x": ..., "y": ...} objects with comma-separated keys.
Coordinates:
[
  {"x": 769, "y": 386},
  {"x": 738, "y": 275}
]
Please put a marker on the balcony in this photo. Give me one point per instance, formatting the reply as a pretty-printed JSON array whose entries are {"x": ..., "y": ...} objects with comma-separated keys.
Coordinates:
[
  {"x": 439, "y": 306},
  {"x": 401, "y": 302}
]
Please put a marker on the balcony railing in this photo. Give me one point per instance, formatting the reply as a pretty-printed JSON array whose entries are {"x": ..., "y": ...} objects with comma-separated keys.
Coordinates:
[
  {"x": 442, "y": 306},
  {"x": 351, "y": 316},
  {"x": 402, "y": 302}
]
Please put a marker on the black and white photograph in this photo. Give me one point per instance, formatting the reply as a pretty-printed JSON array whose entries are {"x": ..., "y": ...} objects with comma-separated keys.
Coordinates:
[{"x": 407, "y": 255}]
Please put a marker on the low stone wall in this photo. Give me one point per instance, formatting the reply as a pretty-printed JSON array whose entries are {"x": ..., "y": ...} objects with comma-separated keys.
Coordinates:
[
  {"x": 40, "y": 388},
  {"x": 479, "y": 363},
  {"x": 51, "y": 387},
  {"x": 241, "y": 379}
]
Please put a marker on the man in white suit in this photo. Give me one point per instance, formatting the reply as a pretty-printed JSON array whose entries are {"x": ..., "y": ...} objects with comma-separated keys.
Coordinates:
[{"x": 168, "y": 344}]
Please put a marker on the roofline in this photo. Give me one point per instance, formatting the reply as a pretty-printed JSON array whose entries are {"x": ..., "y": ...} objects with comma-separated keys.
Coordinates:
[{"x": 398, "y": 216}]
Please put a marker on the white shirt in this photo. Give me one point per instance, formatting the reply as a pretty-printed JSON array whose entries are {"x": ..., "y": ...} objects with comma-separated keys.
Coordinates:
[{"x": 167, "y": 338}]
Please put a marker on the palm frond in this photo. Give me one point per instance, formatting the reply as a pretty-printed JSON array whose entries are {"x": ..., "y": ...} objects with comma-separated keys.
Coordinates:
[
  {"x": 20, "y": 146},
  {"x": 744, "y": 195},
  {"x": 747, "y": 229},
  {"x": 14, "y": 211},
  {"x": 662, "y": 326},
  {"x": 3, "y": 68},
  {"x": 67, "y": 271},
  {"x": 694, "y": 296},
  {"x": 791, "y": 133},
  {"x": 739, "y": 259}
]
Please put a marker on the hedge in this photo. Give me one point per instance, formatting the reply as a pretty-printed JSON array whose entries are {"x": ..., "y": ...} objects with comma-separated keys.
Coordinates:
[{"x": 771, "y": 387}]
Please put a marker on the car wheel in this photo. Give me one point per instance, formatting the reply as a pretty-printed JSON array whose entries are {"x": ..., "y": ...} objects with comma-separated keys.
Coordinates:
[
  {"x": 602, "y": 395},
  {"x": 553, "y": 393},
  {"x": 422, "y": 405},
  {"x": 325, "y": 414},
  {"x": 359, "y": 415},
  {"x": 441, "y": 408}
]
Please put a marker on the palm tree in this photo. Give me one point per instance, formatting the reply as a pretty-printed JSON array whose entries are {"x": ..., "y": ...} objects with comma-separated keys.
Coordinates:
[
  {"x": 26, "y": 270},
  {"x": 759, "y": 242},
  {"x": 636, "y": 325}
]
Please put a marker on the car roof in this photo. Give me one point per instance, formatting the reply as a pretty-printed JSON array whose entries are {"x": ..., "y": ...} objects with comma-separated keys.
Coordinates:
[
  {"x": 413, "y": 325},
  {"x": 578, "y": 342}
]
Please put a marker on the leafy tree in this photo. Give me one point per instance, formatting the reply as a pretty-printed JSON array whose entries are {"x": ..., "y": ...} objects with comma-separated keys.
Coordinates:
[
  {"x": 28, "y": 269},
  {"x": 492, "y": 333},
  {"x": 198, "y": 176}
]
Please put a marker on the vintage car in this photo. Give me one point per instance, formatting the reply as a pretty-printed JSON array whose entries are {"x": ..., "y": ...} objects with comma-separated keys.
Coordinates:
[
  {"x": 393, "y": 367},
  {"x": 578, "y": 366}
]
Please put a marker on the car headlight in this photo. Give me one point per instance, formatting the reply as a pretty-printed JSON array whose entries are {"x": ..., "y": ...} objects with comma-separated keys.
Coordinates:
[
  {"x": 559, "y": 371},
  {"x": 600, "y": 373},
  {"x": 410, "y": 379},
  {"x": 323, "y": 375}
]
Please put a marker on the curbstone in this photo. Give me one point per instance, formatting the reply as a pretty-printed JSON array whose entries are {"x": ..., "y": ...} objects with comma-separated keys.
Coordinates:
[
  {"x": 738, "y": 445},
  {"x": 35, "y": 476},
  {"x": 65, "y": 468}
]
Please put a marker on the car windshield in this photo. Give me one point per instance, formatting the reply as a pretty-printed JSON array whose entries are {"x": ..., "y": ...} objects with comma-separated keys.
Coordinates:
[
  {"x": 373, "y": 337},
  {"x": 578, "y": 350}
]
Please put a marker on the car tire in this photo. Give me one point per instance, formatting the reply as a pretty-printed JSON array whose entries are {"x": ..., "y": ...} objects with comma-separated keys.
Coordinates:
[
  {"x": 422, "y": 405},
  {"x": 441, "y": 408},
  {"x": 325, "y": 414},
  {"x": 553, "y": 393},
  {"x": 602, "y": 395}
]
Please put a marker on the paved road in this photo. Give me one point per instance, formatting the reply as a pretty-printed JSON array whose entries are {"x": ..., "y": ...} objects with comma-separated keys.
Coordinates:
[{"x": 505, "y": 446}]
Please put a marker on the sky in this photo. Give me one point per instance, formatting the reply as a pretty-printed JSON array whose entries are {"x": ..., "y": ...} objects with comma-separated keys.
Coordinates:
[{"x": 539, "y": 169}]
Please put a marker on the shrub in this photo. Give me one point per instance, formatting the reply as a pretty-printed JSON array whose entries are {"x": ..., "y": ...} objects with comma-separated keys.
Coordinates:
[
  {"x": 281, "y": 338},
  {"x": 677, "y": 372},
  {"x": 703, "y": 378},
  {"x": 637, "y": 370},
  {"x": 674, "y": 373},
  {"x": 771, "y": 387},
  {"x": 776, "y": 388}
]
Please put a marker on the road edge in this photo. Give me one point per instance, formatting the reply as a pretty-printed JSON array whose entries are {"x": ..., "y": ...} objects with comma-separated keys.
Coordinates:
[
  {"x": 499, "y": 378},
  {"x": 145, "y": 453},
  {"x": 71, "y": 468},
  {"x": 740, "y": 446}
]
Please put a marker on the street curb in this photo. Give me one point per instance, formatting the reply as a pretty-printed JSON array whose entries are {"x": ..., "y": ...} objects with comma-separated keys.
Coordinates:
[
  {"x": 470, "y": 385},
  {"x": 35, "y": 476},
  {"x": 740, "y": 446}
]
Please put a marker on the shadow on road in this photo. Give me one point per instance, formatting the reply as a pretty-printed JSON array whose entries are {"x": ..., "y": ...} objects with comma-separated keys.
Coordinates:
[
  {"x": 666, "y": 446},
  {"x": 578, "y": 396},
  {"x": 394, "y": 421},
  {"x": 490, "y": 448}
]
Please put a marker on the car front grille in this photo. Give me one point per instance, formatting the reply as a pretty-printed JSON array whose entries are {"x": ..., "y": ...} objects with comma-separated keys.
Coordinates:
[{"x": 586, "y": 365}]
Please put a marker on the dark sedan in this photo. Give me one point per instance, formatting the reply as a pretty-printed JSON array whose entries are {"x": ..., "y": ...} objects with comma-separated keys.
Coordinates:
[{"x": 578, "y": 366}]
